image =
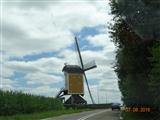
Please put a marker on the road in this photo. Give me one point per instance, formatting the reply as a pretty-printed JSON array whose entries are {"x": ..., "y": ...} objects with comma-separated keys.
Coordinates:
[{"x": 90, "y": 115}]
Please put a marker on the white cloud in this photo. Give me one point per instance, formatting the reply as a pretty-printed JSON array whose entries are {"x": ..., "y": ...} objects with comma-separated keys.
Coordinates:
[
  {"x": 69, "y": 56},
  {"x": 42, "y": 78},
  {"x": 101, "y": 40},
  {"x": 8, "y": 84},
  {"x": 35, "y": 27},
  {"x": 44, "y": 65},
  {"x": 49, "y": 65},
  {"x": 98, "y": 40},
  {"x": 44, "y": 90},
  {"x": 6, "y": 72},
  {"x": 38, "y": 30}
]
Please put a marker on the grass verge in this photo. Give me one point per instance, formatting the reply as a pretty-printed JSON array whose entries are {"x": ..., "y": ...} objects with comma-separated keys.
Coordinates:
[{"x": 42, "y": 115}]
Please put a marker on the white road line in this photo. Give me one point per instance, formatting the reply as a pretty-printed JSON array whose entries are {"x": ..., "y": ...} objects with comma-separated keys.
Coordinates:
[{"x": 91, "y": 115}]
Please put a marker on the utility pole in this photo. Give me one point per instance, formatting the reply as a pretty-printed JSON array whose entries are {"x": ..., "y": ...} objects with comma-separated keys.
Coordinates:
[
  {"x": 97, "y": 94},
  {"x": 106, "y": 97}
]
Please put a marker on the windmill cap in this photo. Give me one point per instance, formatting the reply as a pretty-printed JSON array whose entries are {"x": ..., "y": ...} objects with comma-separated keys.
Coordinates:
[{"x": 72, "y": 69}]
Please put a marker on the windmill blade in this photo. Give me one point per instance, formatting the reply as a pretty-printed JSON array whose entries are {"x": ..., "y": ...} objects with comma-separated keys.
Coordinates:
[
  {"x": 79, "y": 53},
  {"x": 88, "y": 88},
  {"x": 81, "y": 61},
  {"x": 90, "y": 65}
]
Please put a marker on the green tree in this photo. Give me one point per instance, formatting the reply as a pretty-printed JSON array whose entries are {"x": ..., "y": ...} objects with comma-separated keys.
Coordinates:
[
  {"x": 154, "y": 82},
  {"x": 134, "y": 31}
]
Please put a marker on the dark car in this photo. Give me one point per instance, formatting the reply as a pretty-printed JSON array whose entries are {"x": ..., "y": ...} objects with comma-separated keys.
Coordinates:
[{"x": 116, "y": 106}]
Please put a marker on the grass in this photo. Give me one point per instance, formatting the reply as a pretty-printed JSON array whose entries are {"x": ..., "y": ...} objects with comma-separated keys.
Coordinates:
[{"x": 41, "y": 115}]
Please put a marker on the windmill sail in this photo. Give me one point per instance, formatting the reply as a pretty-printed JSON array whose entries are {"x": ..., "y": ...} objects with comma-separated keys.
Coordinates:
[
  {"x": 82, "y": 65},
  {"x": 90, "y": 65},
  {"x": 79, "y": 53}
]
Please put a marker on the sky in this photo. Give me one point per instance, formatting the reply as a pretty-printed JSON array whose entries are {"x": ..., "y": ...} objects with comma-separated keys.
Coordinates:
[{"x": 37, "y": 38}]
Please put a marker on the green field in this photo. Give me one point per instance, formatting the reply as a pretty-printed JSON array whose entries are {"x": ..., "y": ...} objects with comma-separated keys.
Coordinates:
[
  {"x": 42, "y": 115},
  {"x": 12, "y": 103},
  {"x": 22, "y": 106}
]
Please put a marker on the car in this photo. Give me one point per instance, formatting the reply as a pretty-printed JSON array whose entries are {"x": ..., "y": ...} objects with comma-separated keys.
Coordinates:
[{"x": 115, "y": 106}]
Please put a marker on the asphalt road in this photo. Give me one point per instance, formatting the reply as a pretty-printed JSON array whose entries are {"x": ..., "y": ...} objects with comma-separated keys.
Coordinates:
[{"x": 90, "y": 115}]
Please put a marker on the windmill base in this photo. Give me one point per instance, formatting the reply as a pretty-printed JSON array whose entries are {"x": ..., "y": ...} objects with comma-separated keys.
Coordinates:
[{"x": 75, "y": 99}]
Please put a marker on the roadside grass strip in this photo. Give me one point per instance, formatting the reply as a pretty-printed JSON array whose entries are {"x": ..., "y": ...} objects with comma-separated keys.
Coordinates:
[{"x": 42, "y": 115}]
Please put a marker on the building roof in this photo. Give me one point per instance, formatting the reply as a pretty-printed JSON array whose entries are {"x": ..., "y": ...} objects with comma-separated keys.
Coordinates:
[{"x": 72, "y": 69}]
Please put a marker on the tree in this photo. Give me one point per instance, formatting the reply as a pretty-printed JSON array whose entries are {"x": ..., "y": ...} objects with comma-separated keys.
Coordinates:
[
  {"x": 154, "y": 82},
  {"x": 134, "y": 38}
]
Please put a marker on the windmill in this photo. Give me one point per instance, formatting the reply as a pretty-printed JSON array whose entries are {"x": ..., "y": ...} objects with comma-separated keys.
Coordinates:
[{"x": 74, "y": 80}]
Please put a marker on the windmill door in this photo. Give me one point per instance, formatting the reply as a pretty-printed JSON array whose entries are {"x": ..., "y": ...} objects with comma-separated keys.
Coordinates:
[{"x": 75, "y": 84}]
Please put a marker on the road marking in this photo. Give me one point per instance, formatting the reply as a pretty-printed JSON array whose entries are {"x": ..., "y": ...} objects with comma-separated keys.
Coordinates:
[{"x": 91, "y": 115}]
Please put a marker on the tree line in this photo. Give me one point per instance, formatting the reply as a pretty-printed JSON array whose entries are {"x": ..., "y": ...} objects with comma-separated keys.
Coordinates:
[{"x": 136, "y": 33}]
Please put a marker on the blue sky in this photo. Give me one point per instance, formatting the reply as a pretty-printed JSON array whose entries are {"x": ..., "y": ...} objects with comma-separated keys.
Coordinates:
[{"x": 38, "y": 38}]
